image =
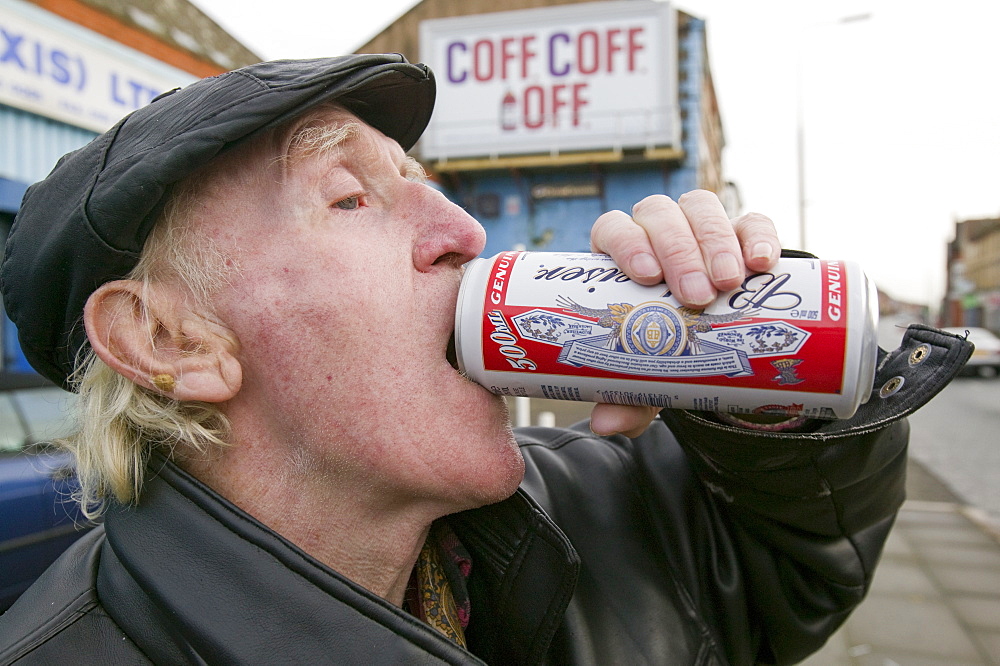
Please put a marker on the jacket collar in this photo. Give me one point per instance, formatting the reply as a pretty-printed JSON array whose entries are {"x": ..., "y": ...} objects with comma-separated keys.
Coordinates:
[
  {"x": 204, "y": 580},
  {"x": 524, "y": 572}
]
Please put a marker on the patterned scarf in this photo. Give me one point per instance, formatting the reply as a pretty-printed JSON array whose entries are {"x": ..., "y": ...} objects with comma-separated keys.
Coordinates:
[{"x": 437, "y": 593}]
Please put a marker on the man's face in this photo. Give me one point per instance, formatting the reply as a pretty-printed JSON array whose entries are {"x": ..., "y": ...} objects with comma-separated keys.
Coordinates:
[{"x": 349, "y": 269}]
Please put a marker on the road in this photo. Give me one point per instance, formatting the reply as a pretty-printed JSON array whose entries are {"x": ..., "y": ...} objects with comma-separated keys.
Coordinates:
[{"x": 956, "y": 436}]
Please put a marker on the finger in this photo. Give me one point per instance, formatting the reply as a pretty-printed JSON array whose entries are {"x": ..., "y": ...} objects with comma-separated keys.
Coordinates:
[
  {"x": 759, "y": 238},
  {"x": 676, "y": 248},
  {"x": 716, "y": 236},
  {"x": 617, "y": 234},
  {"x": 607, "y": 419}
]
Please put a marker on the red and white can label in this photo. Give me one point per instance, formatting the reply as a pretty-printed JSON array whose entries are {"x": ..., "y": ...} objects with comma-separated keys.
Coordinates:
[{"x": 797, "y": 340}]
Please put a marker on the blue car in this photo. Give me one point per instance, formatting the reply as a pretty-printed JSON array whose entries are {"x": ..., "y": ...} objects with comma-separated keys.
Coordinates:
[{"x": 38, "y": 519}]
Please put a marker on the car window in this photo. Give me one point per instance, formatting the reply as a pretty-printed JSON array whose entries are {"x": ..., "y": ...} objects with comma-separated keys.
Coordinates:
[
  {"x": 29, "y": 416},
  {"x": 12, "y": 431}
]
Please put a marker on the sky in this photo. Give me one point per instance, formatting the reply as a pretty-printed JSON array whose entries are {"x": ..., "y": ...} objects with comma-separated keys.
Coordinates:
[{"x": 898, "y": 103}]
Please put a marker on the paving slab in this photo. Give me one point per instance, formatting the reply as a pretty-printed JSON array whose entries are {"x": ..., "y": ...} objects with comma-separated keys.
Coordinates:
[
  {"x": 986, "y": 556},
  {"x": 979, "y": 612},
  {"x": 904, "y": 577},
  {"x": 949, "y": 535},
  {"x": 876, "y": 658},
  {"x": 969, "y": 580},
  {"x": 909, "y": 625},
  {"x": 991, "y": 644}
]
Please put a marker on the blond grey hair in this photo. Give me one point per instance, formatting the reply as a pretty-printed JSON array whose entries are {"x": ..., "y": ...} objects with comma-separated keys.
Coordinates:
[{"x": 119, "y": 423}]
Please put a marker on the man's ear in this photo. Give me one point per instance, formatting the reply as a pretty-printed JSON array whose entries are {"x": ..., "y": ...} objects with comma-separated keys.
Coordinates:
[{"x": 152, "y": 337}]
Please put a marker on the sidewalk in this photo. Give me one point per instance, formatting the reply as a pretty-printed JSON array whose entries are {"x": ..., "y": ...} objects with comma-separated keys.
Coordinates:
[{"x": 935, "y": 600}]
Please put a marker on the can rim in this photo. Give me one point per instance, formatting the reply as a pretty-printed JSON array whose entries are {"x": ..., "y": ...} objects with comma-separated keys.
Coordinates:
[{"x": 870, "y": 360}]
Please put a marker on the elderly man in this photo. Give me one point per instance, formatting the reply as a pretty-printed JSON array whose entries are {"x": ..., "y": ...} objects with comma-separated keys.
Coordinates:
[{"x": 253, "y": 291}]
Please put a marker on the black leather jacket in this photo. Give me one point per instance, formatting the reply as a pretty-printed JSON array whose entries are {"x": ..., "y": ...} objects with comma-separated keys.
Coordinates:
[{"x": 696, "y": 543}]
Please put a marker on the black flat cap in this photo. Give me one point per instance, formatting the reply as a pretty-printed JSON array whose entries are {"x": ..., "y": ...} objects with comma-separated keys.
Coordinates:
[{"x": 86, "y": 223}]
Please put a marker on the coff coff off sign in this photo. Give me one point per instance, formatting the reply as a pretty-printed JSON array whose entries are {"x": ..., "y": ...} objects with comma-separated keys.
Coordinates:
[
  {"x": 594, "y": 75},
  {"x": 560, "y": 55}
]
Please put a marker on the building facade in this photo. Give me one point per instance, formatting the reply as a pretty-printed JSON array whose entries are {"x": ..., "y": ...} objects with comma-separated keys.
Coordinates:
[
  {"x": 70, "y": 69},
  {"x": 973, "y": 290},
  {"x": 553, "y": 112}
]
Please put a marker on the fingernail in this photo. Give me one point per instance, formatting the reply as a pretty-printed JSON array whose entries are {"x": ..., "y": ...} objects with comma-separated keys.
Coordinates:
[
  {"x": 696, "y": 288},
  {"x": 726, "y": 266},
  {"x": 644, "y": 265},
  {"x": 761, "y": 251}
]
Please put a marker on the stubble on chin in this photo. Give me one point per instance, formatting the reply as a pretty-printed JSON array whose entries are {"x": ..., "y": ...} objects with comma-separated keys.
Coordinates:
[{"x": 509, "y": 470}]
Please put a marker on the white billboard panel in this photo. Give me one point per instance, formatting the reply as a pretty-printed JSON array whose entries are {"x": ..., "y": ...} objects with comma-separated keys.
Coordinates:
[
  {"x": 591, "y": 76},
  {"x": 57, "y": 69}
]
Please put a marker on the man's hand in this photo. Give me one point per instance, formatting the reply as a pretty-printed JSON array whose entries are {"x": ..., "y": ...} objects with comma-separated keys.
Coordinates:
[{"x": 694, "y": 247}]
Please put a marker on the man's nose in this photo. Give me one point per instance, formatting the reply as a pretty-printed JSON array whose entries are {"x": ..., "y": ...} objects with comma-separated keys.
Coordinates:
[{"x": 445, "y": 234}]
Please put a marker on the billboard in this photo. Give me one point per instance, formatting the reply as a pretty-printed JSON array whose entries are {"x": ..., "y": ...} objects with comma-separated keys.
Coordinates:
[
  {"x": 591, "y": 76},
  {"x": 57, "y": 69}
]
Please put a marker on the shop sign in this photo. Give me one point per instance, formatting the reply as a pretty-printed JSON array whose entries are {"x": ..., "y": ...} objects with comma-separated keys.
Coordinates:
[{"x": 57, "y": 69}]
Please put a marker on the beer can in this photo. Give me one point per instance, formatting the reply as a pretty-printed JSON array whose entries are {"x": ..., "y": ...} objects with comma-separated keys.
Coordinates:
[{"x": 799, "y": 340}]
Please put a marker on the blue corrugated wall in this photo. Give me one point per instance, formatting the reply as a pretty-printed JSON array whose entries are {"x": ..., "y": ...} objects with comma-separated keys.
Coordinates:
[{"x": 29, "y": 147}]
